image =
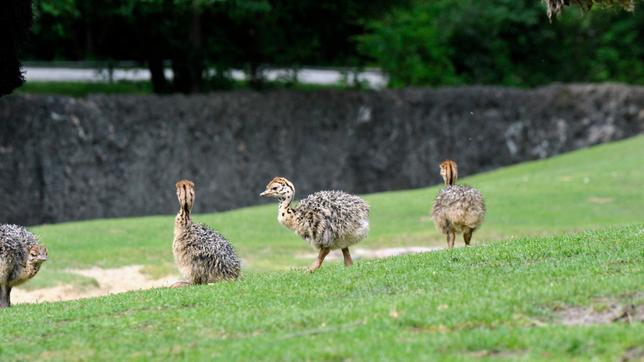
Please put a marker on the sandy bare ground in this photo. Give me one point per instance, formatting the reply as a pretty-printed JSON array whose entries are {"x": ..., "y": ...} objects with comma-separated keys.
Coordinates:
[
  {"x": 110, "y": 281},
  {"x": 605, "y": 310},
  {"x": 124, "y": 279}
]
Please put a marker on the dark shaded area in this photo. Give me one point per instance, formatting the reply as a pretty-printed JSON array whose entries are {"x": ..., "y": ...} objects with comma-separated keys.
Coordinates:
[
  {"x": 202, "y": 41},
  {"x": 15, "y": 22},
  {"x": 416, "y": 42},
  {"x": 106, "y": 156}
]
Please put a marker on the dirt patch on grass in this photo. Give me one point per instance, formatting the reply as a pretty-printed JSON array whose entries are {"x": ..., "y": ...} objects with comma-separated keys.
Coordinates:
[
  {"x": 633, "y": 354},
  {"x": 496, "y": 354},
  {"x": 600, "y": 200},
  {"x": 109, "y": 281},
  {"x": 359, "y": 253},
  {"x": 124, "y": 279},
  {"x": 602, "y": 312}
]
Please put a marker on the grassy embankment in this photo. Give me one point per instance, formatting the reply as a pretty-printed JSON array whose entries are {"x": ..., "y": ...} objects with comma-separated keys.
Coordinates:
[
  {"x": 498, "y": 301},
  {"x": 588, "y": 189}
]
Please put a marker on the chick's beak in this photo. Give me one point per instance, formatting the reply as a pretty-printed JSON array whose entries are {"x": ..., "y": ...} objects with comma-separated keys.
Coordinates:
[{"x": 264, "y": 193}]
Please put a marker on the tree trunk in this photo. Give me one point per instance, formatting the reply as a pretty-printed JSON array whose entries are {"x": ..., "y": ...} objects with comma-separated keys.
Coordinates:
[
  {"x": 15, "y": 22},
  {"x": 157, "y": 75},
  {"x": 196, "y": 53},
  {"x": 187, "y": 64},
  {"x": 256, "y": 78}
]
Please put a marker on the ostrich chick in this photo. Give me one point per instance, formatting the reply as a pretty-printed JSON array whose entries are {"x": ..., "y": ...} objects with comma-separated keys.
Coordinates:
[
  {"x": 202, "y": 254},
  {"x": 457, "y": 208},
  {"x": 21, "y": 256},
  {"x": 326, "y": 219}
]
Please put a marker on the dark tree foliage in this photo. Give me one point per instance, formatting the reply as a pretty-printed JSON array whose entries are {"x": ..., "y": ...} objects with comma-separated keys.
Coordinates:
[
  {"x": 15, "y": 21},
  {"x": 200, "y": 35},
  {"x": 417, "y": 42},
  {"x": 508, "y": 42}
]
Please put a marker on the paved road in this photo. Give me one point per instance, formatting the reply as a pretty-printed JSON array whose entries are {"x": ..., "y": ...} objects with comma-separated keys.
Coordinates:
[{"x": 374, "y": 78}]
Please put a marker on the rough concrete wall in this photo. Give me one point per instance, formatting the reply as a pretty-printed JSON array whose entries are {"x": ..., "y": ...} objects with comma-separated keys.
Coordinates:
[{"x": 107, "y": 156}]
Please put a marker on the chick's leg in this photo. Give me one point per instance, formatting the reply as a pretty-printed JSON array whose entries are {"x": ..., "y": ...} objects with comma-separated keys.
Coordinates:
[{"x": 318, "y": 262}]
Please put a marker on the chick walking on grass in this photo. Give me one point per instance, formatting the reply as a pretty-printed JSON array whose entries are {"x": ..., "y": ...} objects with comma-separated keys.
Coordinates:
[
  {"x": 457, "y": 208},
  {"x": 326, "y": 219}
]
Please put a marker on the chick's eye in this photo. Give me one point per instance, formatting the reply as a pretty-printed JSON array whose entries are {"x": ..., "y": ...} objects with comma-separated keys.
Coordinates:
[{"x": 274, "y": 187}]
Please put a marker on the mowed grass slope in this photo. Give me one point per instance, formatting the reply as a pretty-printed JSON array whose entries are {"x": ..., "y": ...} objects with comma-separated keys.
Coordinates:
[
  {"x": 491, "y": 302},
  {"x": 587, "y": 189},
  {"x": 500, "y": 300}
]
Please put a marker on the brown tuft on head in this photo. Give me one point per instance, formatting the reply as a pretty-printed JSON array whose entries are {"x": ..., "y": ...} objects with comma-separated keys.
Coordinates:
[
  {"x": 187, "y": 183},
  {"x": 282, "y": 181},
  {"x": 186, "y": 194},
  {"x": 449, "y": 172},
  {"x": 279, "y": 187}
]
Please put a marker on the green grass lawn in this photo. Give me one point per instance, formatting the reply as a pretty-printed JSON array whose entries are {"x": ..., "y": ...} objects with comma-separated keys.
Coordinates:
[
  {"x": 588, "y": 189},
  {"x": 500, "y": 299},
  {"x": 489, "y": 302}
]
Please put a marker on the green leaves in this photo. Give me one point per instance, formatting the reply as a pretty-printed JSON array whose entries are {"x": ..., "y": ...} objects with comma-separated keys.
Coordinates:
[
  {"x": 509, "y": 42},
  {"x": 411, "y": 46}
]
